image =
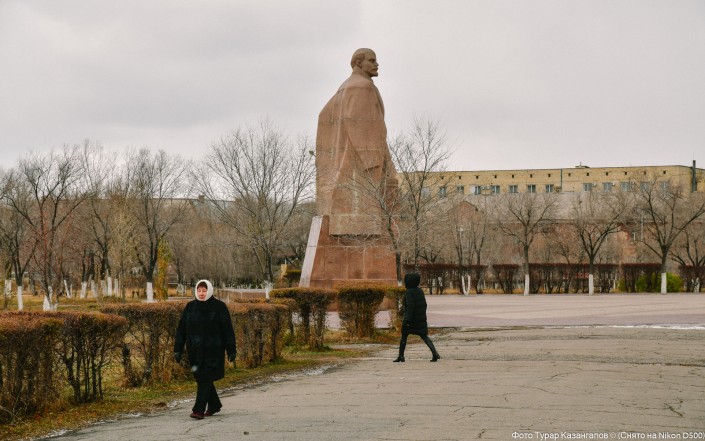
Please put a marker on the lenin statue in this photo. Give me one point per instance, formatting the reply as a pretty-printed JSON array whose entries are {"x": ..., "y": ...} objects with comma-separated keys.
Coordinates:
[
  {"x": 353, "y": 171},
  {"x": 352, "y": 157}
]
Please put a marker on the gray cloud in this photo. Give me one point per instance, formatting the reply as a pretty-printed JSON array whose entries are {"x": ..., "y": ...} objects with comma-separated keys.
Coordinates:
[{"x": 515, "y": 83}]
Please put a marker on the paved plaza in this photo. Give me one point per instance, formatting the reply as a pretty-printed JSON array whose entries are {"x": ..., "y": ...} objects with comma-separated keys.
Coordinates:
[{"x": 513, "y": 367}]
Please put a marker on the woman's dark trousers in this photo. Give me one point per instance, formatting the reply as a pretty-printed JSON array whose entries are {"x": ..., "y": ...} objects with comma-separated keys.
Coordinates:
[
  {"x": 206, "y": 394},
  {"x": 424, "y": 337}
]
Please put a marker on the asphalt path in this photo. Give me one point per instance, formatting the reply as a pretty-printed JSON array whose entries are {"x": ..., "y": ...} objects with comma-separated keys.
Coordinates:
[{"x": 513, "y": 367}]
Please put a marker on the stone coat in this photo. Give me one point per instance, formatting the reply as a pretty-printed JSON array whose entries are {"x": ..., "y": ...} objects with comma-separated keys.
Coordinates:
[
  {"x": 207, "y": 331},
  {"x": 414, "y": 304},
  {"x": 351, "y": 144}
]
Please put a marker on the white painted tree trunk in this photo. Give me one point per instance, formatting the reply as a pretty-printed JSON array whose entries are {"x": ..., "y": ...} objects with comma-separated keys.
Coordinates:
[
  {"x": 591, "y": 284},
  {"x": 527, "y": 281},
  {"x": 462, "y": 286},
  {"x": 20, "y": 302},
  {"x": 8, "y": 289},
  {"x": 83, "y": 289},
  {"x": 267, "y": 287},
  {"x": 117, "y": 287},
  {"x": 49, "y": 301},
  {"x": 110, "y": 286},
  {"x": 664, "y": 285},
  {"x": 66, "y": 290},
  {"x": 150, "y": 292}
]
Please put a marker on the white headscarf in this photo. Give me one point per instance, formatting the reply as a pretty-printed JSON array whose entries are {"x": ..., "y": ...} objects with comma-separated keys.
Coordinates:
[{"x": 208, "y": 294}]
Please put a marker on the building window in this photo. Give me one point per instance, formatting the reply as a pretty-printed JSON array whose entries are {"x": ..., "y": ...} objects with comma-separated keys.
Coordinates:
[
  {"x": 531, "y": 188},
  {"x": 442, "y": 192},
  {"x": 607, "y": 186},
  {"x": 460, "y": 189},
  {"x": 625, "y": 186},
  {"x": 646, "y": 186},
  {"x": 477, "y": 189},
  {"x": 514, "y": 189},
  {"x": 587, "y": 186},
  {"x": 665, "y": 185},
  {"x": 495, "y": 189},
  {"x": 549, "y": 188}
]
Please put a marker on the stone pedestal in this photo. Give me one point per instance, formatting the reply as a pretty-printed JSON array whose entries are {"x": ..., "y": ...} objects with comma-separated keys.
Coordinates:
[{"x": 330, "y": 259}]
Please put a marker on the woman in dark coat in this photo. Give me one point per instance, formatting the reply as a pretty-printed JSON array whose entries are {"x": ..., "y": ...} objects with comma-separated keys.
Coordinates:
[
  {"x": 207, "y": 331},
  {"x": 414, "y": 321}
]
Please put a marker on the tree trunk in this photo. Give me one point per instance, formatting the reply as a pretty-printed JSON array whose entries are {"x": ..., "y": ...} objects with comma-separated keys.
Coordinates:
[
  {"x": 150, "y": 292},
  {"x": 591, "y": 284},
  {"x": 67, "y": 292},
  {"x": 664, "y": 284},
  {"x": 527, "y": 283},
  {"x": 48, "y": 304},
  {"x": 83, "y": 289},
  {"x": 20, "y": 302}
]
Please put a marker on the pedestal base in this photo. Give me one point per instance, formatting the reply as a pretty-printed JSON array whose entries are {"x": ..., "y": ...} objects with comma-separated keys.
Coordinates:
[{"x": 331, "y": 260}]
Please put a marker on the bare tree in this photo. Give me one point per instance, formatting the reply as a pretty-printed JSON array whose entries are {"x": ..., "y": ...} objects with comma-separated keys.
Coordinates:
[
  {"x": 522, "y": 216},
  {"x": 665, "y": 211},
  {"x": 54, "y": 184},
  {"x": 257, "y": 180},
  {"x": 689, "y": 251},
  {"x": 101, "y": 173},
  {"x": 419, "y": 154},
  {"x": 596, "y": 216},
  {"x": 155, "y": 193},
  {"x": 17, "y": 244}
]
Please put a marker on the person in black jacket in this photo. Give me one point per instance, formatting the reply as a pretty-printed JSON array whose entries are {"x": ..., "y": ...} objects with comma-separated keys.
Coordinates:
[
  {"x": 414, "y": 321},
  {"x": 207, "y": 331}
]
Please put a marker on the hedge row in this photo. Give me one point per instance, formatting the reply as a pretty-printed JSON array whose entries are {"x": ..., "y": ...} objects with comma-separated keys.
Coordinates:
[
  {"x": 43, "y": 353},
  {"x": 35, "y": 346},
  {"x": 311, "y": 307}
]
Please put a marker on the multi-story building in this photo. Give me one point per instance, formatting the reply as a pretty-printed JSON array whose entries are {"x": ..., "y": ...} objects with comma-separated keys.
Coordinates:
[{"x": 563, "y": 180}]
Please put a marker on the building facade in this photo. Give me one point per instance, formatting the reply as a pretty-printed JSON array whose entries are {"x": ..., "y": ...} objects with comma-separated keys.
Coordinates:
[{"x": 566, "y": 180}]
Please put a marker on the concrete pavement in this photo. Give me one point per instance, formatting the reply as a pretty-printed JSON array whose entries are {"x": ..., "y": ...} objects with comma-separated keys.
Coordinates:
[{"x": 501, "y": 384}]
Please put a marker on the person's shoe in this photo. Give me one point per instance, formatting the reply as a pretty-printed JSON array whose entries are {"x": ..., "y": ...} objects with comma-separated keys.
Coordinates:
[
  {"x": 399, "y": 359},
  {"x": 435, "y": 358},
  {"x": 209, "y": 413},
  {"x": 197, "y": 415}
]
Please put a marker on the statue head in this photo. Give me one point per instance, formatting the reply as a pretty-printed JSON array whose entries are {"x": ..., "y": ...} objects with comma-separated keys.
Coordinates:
[{"x": 364, "y": 62}]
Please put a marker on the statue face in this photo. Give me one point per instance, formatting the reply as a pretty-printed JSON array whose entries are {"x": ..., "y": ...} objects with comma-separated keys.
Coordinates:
[{"x": 369, "y": 65}]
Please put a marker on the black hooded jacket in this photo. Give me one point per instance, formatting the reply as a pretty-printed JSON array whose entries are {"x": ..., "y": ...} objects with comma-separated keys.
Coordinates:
[
  {"x": 414, "y": 306},
  {"x": 207, "y": 331}
]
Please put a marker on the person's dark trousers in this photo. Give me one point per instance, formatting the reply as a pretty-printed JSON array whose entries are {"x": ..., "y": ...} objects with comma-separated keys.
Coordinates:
[
  {"x": 206, "y": 395},
  {"x": 424, "y": 337}
]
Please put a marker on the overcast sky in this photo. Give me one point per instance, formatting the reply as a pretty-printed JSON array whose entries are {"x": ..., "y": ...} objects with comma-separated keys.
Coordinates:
[{"x": 514, "y": 83}]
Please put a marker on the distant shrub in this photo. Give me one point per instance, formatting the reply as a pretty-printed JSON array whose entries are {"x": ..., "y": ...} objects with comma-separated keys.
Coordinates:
[
  {"x": 312, "y": 307},
  {"x": 358, "y": 305},
  {"x": 652, "y": 283}
]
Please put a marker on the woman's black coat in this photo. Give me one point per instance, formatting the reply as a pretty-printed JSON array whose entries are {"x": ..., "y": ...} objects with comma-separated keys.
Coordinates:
[
  {"x": 414, "y": 305},
  {"x": 206, "y": 329}
]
